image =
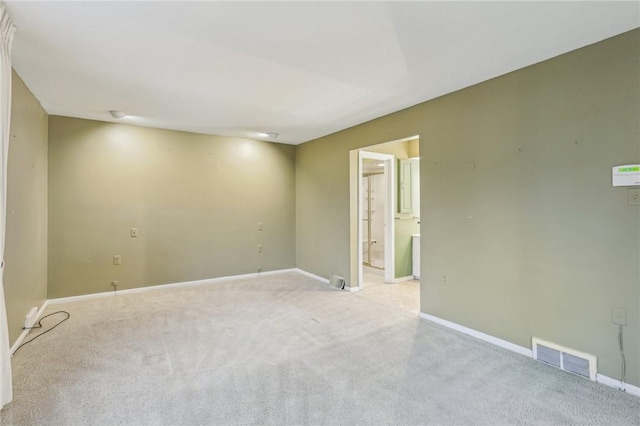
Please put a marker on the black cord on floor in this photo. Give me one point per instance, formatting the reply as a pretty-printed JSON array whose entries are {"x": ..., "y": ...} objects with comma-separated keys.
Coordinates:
[{"x": 39, "y": 325}]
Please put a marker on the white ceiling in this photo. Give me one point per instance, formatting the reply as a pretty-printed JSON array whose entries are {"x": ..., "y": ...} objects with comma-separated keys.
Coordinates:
[{"x": 301, "y": 69}]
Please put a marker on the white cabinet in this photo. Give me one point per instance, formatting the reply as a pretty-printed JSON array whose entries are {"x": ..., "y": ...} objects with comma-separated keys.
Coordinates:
[
  {"x": 404, "y": 187},
  {"x": 409, "y": 186},
  {"x": 415, "y": 187}
]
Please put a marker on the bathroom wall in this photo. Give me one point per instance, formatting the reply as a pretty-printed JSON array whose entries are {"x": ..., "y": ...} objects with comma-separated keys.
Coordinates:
[
  {"x": 405, "y": 224},
  {"x": 379, "y": 186},
  {"x": 196, "y": 201}
]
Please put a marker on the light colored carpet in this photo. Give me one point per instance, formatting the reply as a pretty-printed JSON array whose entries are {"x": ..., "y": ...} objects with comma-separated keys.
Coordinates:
[{"x": 284, "y": 349}]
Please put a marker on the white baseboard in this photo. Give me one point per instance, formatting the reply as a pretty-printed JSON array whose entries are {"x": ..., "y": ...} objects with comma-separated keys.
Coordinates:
[
  {"x": 324, "y": 280},
  {"x": 310, "y": 275},
  {"x": 402, "y": 279},
  {"x": 618, "y": 384},
  {"x": 190, "y": 283},
  {"x": 24, "y": 333},
  {"x": 479, "y": 335},
  {"x": 600, "y": 378},
  {"x": 166, "y": 286}
]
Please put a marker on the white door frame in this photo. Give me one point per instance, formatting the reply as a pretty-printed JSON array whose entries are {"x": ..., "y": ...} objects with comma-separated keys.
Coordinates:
[{"x": 389, "y": 214}]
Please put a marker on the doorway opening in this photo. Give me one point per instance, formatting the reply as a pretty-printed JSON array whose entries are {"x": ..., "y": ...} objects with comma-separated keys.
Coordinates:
[
  {"x": 385, "y": 222},
  {"x": 385, "y": 213}
]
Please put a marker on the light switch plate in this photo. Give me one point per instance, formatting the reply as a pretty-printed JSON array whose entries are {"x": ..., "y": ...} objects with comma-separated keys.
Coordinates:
[
  {"x": 134, "y": 232},
  {"x": 633, "y": 196}
]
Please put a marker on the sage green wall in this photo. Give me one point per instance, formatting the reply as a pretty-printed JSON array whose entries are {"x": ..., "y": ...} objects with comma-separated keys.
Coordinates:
[
  {"x": 517, "y": 207},
  {"x": 25, "y": 275},
  {"x": 195, "y": 199}
]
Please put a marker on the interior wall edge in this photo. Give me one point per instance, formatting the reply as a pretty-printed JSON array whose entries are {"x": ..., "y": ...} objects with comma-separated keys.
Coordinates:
[{"x": 25, "y": 275}]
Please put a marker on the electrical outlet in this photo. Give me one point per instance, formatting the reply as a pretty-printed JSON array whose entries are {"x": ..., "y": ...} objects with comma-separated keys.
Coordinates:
[
  {"x": 619, "y": 316},
  {"x": 134, "y": 232},
  {"x": 444, "y": 280},
  {"x": 633, "y": 196},
  {"x": 117, "y": 260},
  {"x": 259, "y": 226},
  {"x": 259, "y": 248}
]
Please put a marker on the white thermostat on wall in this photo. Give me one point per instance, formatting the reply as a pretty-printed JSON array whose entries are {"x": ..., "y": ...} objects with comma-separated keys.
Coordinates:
[{"x": 627, "y": 175}]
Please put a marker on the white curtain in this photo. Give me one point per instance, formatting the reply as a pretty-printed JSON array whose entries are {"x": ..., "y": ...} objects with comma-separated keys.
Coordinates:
[{"x": 6, "y": 37}]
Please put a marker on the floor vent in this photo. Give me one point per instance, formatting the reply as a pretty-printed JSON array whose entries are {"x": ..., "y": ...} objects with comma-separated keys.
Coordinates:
[
  {"x": 567, "y": 359},
  {"x": 336, "y": 281}
]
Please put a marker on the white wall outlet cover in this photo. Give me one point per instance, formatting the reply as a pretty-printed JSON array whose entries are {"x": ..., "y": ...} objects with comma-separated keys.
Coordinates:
[{"x": 626, "y": 175}]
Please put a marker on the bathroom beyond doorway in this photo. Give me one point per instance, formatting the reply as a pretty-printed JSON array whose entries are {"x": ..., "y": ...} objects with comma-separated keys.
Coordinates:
[{"x": 402, "y": 222}]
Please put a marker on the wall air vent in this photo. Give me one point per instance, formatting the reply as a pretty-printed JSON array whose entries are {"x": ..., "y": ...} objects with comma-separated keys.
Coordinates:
[{"x": 567, "y": 359}]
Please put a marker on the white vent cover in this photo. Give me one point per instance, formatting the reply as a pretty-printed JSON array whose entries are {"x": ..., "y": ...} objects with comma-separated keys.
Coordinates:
[
  {"x": 337, "y": 281},
  {"x": 567, "y": 359}
]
